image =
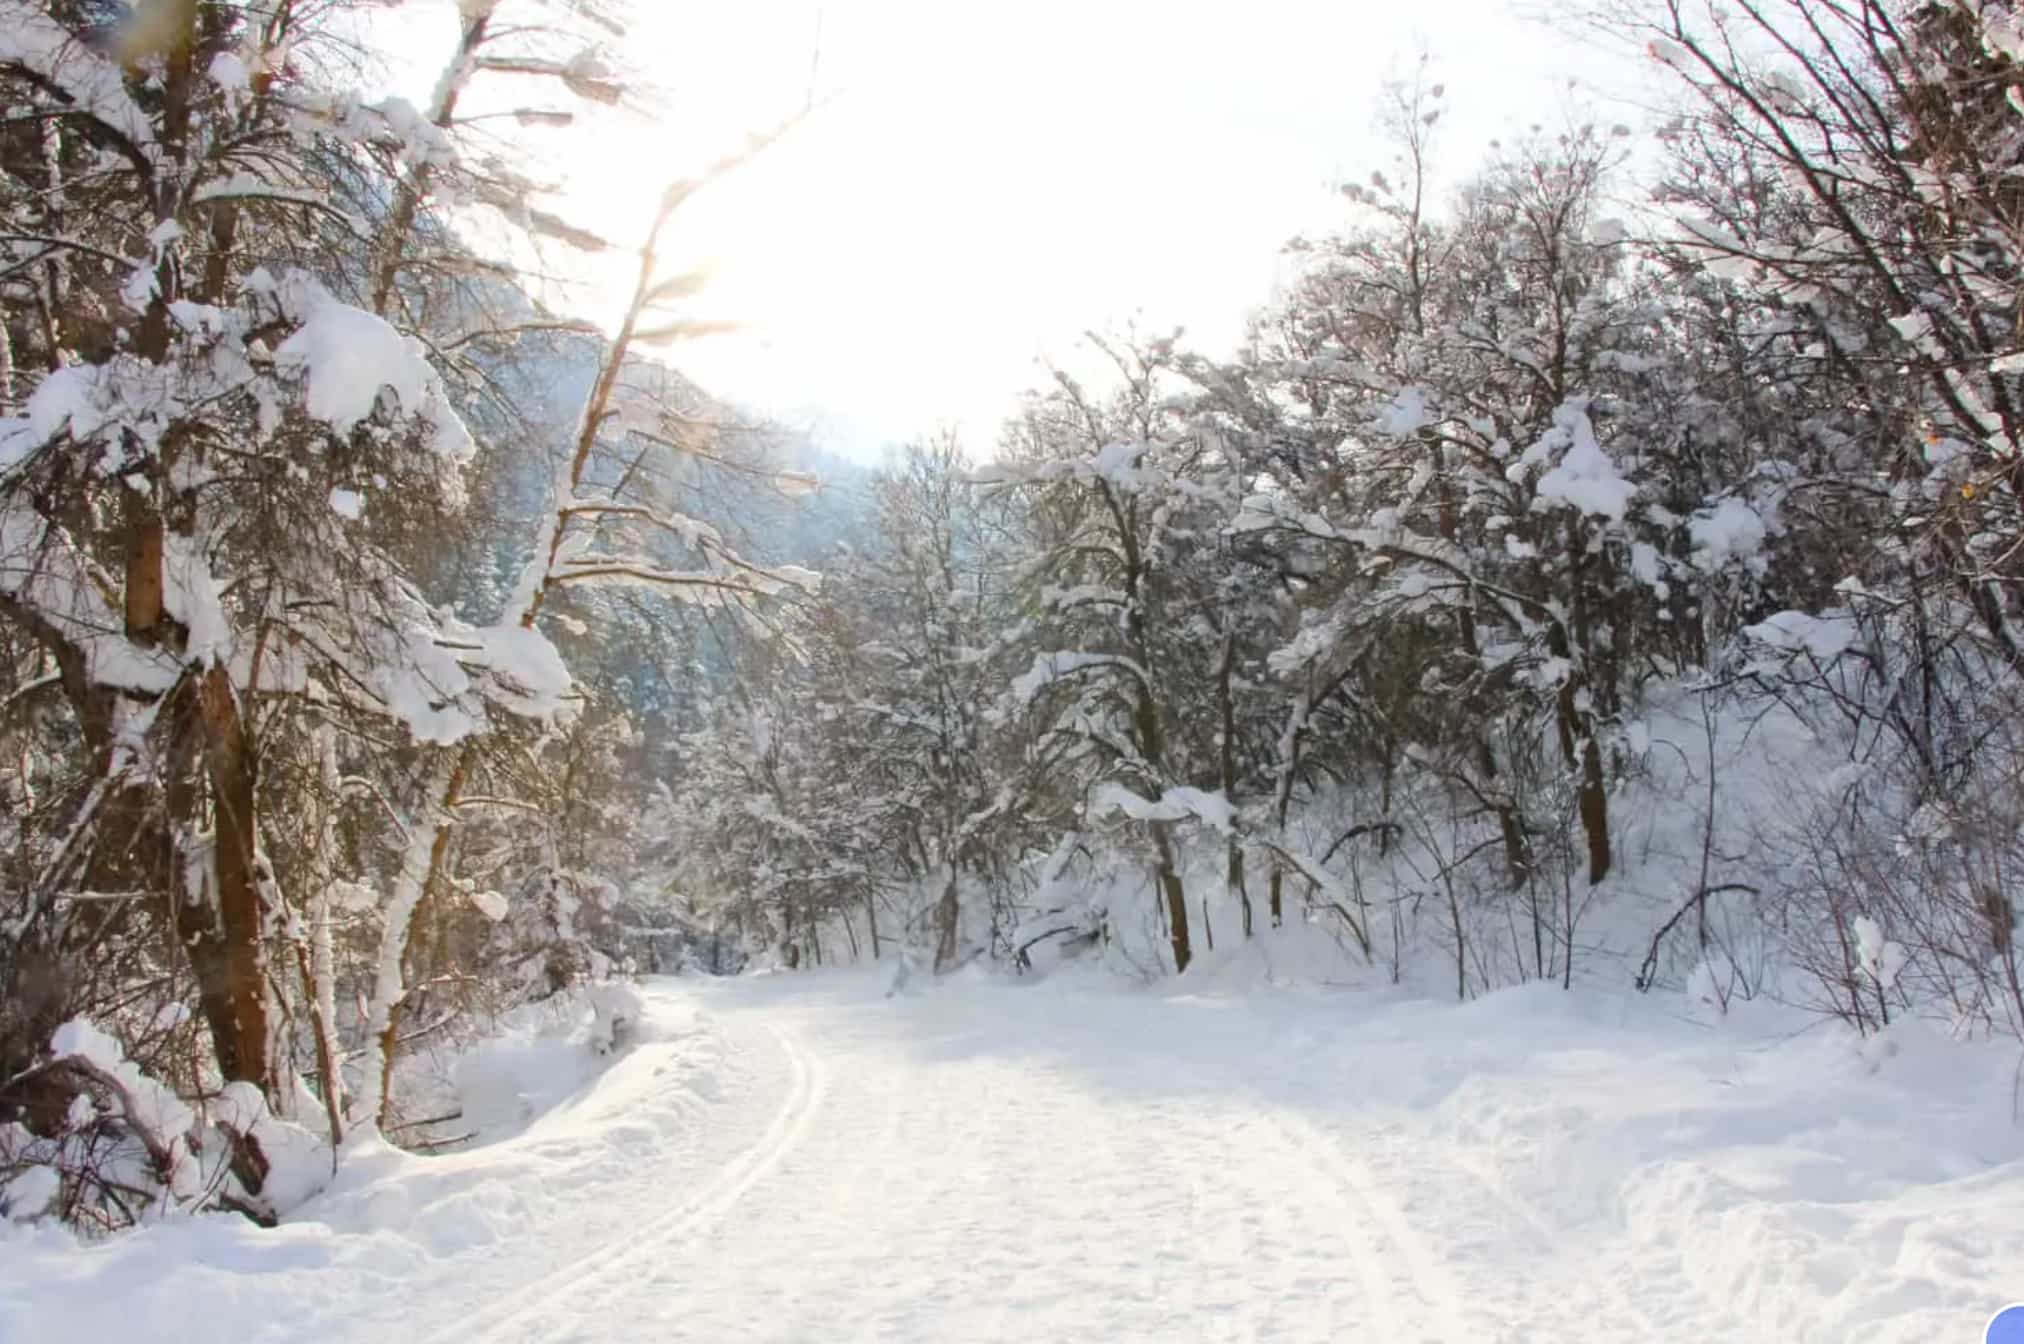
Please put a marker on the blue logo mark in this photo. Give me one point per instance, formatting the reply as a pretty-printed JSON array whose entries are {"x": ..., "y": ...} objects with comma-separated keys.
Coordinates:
[{"x": 2006, "y": 1326}]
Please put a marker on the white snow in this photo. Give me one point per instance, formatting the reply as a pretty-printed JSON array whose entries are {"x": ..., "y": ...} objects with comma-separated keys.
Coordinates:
[
  {"x": 529, "y": 663},
  {"x": 1882, "y": 959},
  {"x": 228, "y": 71},
  {"x": 190, "y": 594},
  {"x": 1117, "y": 461},
  {"x": 1584, "y": 478},
  {"x": 1406, "y": 414},
  {"x": 800, "y": 1157},
  {"x": 1175, "y": 804},
  {"x": 796, "y": 484},
  {"x": 1049, "y": 668},
  {"x": 148, "y": 1102},
  {"x": 1730, "y": 530},
  {"x": 43, "y": 568},
  {"x": 29, "y": 1193},
  {"x": 348, "y": 355},
  {"x": 67, "y": 398},
  {"x": 248, "y": 186},
  {"x": 1646, "y": 564},
  {"x": 1722, "y": 252},
  {"x": 94, "y": 84},
  {"x": 1671, "y": 53},
  {"x": 491, "y": 905},
  {"x": 1825, "y": 637}
]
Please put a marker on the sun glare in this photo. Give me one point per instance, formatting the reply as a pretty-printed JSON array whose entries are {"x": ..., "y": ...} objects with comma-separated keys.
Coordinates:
[{"x": 969, "y": 189}]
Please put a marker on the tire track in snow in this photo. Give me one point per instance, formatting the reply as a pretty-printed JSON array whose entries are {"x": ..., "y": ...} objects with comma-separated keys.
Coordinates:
[
  {"x": 1354, "y": 1234},
  {"x": 1177, "y": 1273},
  {"x": 895, "y": 1156},
  {"x": 518, "y": 1314},
  {"x": 1589, "y": 1315},
  {"x": 1424, "y": 1276},
  {"x": 1590, "y": 1307}
]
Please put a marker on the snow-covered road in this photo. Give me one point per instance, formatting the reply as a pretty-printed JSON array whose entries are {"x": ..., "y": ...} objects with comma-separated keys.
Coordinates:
[
  {"x": 924, "y": 1177},
  {"x": 800, "y": 1158}
]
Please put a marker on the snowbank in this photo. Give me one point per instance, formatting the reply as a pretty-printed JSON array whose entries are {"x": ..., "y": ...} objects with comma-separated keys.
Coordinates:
[
  {"x": 559, "y": 1125},
  {"x": 1590, "y": 1165}
]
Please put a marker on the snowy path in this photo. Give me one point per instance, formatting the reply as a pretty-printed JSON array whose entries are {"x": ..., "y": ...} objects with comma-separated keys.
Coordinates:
[
  {"x": 999, "y": 1195},
  {"x": 799, "y": 1158}
]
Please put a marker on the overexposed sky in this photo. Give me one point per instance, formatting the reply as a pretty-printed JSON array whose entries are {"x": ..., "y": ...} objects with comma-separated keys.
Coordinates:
[{"x": 983, "y": 182}]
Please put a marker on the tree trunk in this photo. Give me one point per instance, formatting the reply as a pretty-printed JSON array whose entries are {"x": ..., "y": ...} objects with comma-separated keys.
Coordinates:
[
  {"x": 948, "y": 913},
  {"x": 217, "y": 917},
  {"x": 245, "y": 1051},
  {"x": 426, "y": 842},
  {"x": 1233, "y": 880},
  {"x": 1169, "y": 879},
  {"x": 1578, "y": 748},
  {"x": 1233, "y": 862},
  {"x": 146, "y": 618},
  {"x": 1517, "y": 851},
  {"x": 1594, "y": 810}
]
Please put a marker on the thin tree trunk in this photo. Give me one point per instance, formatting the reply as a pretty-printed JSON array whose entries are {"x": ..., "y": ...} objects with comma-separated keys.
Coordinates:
[
  {"x": 1594, "y": 809},
  {"x": 1169, "y": 879},
  {"x": 313, "y": 963},
  {"x": 1578, "y": 746},
  {"x": 1461, "y": 939},
  {"x": 1282, "y": 803},
  {"x": 1233, "y": 861},
  {"x": 1233, "y": 880},
  {"x": 400, "y": 222},
  {"x": 427, "y": 839},
  {"x": 948, "y": 915},
  {"x": 1510, "y": 826},
  {"x": 6, "y": 372}
]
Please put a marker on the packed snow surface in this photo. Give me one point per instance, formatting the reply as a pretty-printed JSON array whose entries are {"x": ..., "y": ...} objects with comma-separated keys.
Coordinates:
[{"x": 803, "y": 1158}]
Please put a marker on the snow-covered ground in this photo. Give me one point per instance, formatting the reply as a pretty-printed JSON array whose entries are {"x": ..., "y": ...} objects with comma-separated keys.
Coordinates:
[{"x": 802, "y": 1158}]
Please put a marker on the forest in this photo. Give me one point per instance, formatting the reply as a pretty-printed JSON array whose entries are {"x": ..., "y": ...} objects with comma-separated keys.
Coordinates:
[{"x": 1597, "y": 563}]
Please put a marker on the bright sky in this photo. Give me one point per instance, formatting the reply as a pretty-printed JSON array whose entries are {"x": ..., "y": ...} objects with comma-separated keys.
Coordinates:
[{"x": 985, "y": 181}]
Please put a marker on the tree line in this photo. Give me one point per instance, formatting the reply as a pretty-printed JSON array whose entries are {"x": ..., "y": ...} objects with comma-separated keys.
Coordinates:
[{"x": 1361, "y": 625}]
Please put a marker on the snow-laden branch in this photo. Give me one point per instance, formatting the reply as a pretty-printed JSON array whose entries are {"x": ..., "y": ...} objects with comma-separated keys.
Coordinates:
[
  {"x": 347, "y": 355},
  {"x": 53, "y": 588},
  {"x": 1387, "y": 535},
  {"x": 38, "y": 46},
  {"x": 1176, "y": 804},
  {"x": 1049, "y": 668},
  {"x": 54, "y": 243},
  {"x": 1121, "y": 466},
  {"x": 701, "y": 586},
  {"x": 245, "y": 187},
  {"x": 692, "y": 532}
]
